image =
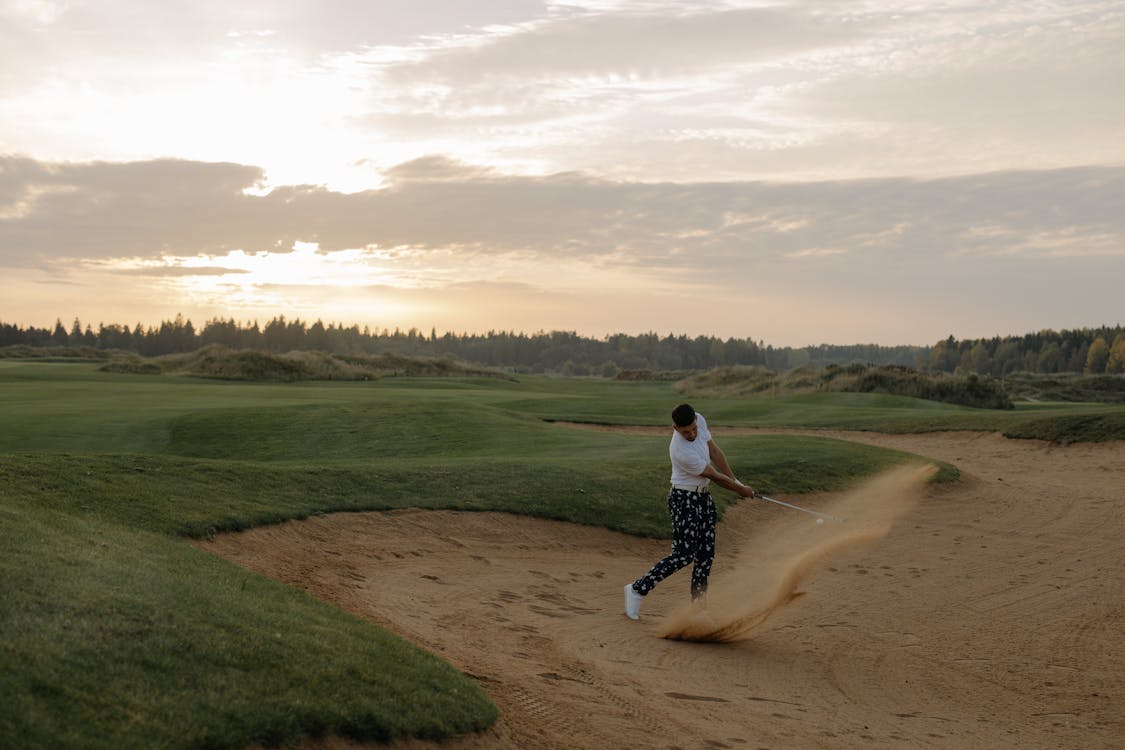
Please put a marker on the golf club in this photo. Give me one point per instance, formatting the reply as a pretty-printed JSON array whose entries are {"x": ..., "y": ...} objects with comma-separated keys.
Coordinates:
[{"x": 798, "y": 507}]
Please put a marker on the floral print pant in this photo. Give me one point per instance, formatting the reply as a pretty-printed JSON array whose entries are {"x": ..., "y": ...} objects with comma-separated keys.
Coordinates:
[{"x": 693, "y": 541}]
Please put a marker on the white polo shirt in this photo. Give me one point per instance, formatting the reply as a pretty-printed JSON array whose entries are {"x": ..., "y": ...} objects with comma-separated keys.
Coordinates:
[{"x": 690, "y": 457}]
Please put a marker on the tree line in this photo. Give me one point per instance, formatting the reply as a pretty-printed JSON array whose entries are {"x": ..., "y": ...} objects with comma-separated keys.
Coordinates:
[
  {"x": 563, "y": 352},
  {"x": 1093, "y": 351}
]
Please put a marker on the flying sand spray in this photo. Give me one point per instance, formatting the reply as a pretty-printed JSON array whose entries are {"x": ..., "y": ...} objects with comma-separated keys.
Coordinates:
[{"x": 767, "y": 573}]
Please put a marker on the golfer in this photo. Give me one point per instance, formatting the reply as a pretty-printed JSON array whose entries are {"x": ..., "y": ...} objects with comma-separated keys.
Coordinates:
[{"x": 696, "y": 462}]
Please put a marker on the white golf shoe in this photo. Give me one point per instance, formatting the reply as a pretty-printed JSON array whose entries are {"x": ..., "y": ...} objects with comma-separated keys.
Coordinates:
[{"x": 632, "y": 602}]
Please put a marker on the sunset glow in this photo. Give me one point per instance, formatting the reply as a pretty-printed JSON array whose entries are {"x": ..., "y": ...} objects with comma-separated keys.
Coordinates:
[{"x": 889, "y": 173}]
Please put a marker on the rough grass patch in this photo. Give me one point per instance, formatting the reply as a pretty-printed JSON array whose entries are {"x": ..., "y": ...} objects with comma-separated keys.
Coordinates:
[
  {"x": 222, "y": 363},
  {"x": 1074, "y": 428},
  {"x": 895, "y": 380}
]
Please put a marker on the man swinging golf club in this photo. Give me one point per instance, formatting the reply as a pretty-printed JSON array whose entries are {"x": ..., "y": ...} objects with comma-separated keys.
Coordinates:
[{"x": 696, "y": 462}]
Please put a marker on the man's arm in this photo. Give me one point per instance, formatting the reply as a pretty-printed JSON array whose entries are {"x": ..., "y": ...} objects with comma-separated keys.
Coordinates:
[
  {"x": 721, "y": 473},
  {"x": 727, "y": 481},
  {"x": 718, "y": 458}
]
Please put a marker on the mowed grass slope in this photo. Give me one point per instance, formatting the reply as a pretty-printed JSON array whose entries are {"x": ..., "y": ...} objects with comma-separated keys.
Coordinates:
[
  {"x": 116, "y": 634},
  {"x": 115, "y": 638}
]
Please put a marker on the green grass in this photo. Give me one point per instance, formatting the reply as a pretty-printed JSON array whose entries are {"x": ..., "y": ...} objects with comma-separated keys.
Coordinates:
[
  {"x": 1095, "y": 427},
  {"x": 217, "y": 361},
  {"x": 113, "y": 637},
  {"x": 837, "y": 411},
  {"x": 741, "y": 381},
  {"x": 115, "y": 633}
]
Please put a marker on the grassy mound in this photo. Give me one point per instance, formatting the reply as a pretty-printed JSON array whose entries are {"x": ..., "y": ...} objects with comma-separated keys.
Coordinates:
[
  {"x": 113, "y": 637},
  {"x": 665, "y": 376},
  {"x": 223, "y": 363},
  {"x": 53, "y": 353},
  {"x": 895, "y": 380},
  {"x": 1070, "y": 387},
  {"x": 1072, "y": 428}
]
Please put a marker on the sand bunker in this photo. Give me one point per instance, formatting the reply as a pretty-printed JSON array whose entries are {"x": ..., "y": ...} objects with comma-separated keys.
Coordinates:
[
  {"x": 766, "y": 575},
  {"x": 989, "y": 617}
]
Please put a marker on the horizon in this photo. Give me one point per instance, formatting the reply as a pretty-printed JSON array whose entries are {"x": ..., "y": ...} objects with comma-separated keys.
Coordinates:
[
  {"x": 779, "y": 171},
  {"x": 425, "y": 332}
]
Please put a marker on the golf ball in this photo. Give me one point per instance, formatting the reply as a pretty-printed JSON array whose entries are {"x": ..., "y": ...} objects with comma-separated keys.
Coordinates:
[{"x": 820, "y": 522}]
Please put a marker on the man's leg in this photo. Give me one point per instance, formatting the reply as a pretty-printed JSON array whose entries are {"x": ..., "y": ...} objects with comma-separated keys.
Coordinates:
[
  {"x": 705, "y": 550},
  {"x": 684, "y": 508}
]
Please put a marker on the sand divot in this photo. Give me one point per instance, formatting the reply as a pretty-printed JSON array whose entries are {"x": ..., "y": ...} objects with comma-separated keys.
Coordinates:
[{"x": 766, "y": 575}]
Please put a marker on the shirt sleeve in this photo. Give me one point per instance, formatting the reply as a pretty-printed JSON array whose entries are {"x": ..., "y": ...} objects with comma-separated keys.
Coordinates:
[{"x": 704, "y": 433}]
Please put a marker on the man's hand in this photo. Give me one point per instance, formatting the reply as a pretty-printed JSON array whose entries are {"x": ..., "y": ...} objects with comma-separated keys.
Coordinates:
[
  {"x": 744, "y": 490},
  {"x": 728, "y": 482}
]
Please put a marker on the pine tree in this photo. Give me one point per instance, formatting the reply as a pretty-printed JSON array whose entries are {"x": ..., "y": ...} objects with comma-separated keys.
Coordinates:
[{"x": 59, "y": 335}]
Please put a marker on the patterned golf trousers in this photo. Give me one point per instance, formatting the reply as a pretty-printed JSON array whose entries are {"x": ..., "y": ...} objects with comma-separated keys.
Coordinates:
[{"x": 693, "y": 541}]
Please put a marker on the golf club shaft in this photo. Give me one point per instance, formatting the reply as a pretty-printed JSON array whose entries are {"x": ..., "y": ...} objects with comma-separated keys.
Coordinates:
[{"x": 796, "y": 507}]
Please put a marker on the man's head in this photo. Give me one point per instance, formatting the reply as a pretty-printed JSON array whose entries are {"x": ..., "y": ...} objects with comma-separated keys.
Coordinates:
[{"x": 683, "y": 419}]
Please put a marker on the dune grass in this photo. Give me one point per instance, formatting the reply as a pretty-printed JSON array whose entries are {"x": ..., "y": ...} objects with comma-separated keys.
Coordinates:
[{"x": 116, "y": 634}]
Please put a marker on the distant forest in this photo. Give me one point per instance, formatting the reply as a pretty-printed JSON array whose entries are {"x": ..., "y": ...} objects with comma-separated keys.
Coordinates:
[{"x": 1092, "y": 351}]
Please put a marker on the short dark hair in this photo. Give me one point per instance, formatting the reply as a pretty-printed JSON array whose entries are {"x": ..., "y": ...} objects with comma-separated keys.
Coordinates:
[{"x": 683, "y": 415}]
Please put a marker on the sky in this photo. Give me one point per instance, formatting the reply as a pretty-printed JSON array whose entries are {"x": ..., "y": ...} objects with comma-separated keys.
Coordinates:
[{"x": 793, "y": 172}]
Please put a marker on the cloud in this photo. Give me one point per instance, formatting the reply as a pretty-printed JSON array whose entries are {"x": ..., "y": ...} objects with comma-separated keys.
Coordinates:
[
  {"x": 136, "y": 209},
  {"x": 1033, "y": 85},
  {"x": 633, "y": 45},
  {"x": 582, "y": 67},
  {"x": 171, "y": 207},
  {"x": 650, "y": 91},
  {"x": 436, "y": 169},
  {"x": 894, "y": 260},
  {"x": 180, "y": 271},
  {"x": 437, "y": 221},
  {"x": 127, "y": 29},
  {"x": 789, "y": 90}
]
